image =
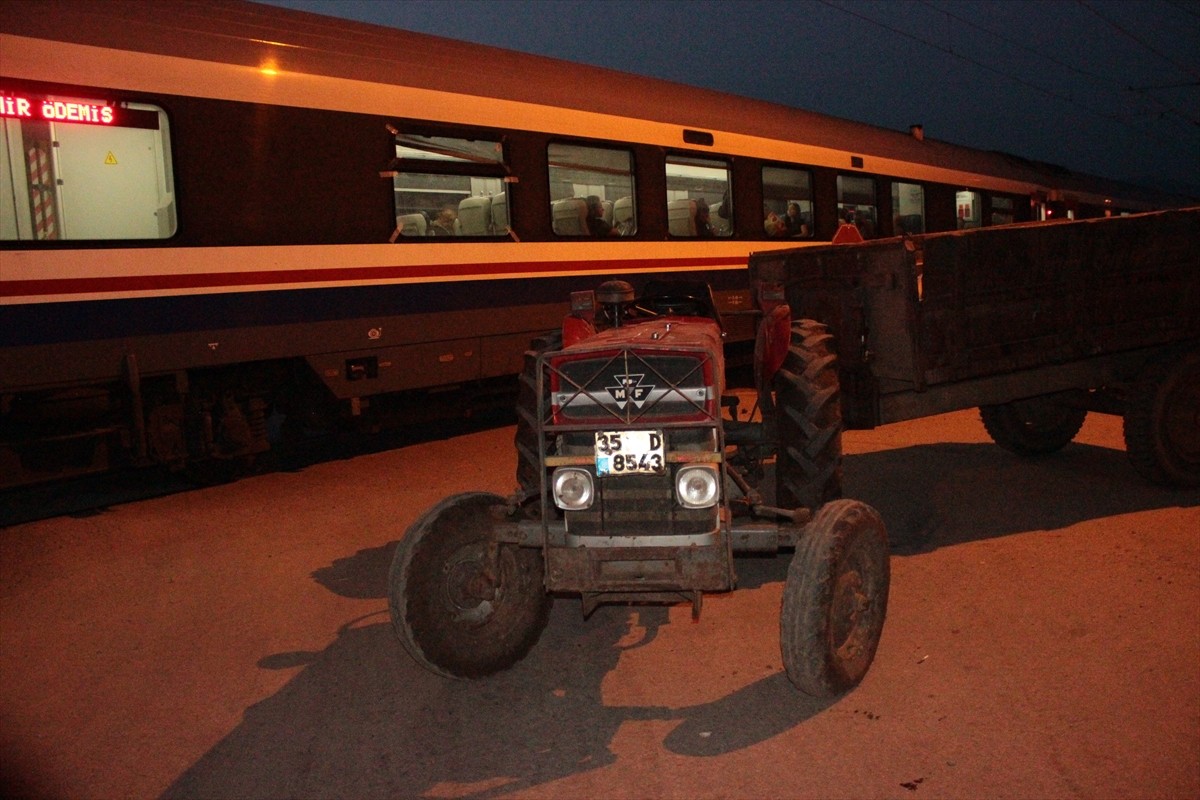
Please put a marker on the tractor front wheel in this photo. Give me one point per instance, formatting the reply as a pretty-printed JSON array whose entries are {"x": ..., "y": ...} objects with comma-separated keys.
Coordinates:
[
  {"x": 835, "y": 599},
  {"x": 464, "y": 605}
]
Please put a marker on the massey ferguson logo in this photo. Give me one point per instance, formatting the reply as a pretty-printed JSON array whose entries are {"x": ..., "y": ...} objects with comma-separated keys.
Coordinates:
[{"x": 630, "y": 388}]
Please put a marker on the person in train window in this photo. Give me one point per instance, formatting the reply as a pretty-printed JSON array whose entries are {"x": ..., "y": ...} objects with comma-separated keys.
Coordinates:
[
  {"x": 443, "y": 223},
  {"x": 725, "y": 210},
  {"x": 866, "y": 225},
  {"x": 704, "y": 228},
  {"x": 597, "y": 224},
  {"x": 846, "y": 231},
  {"x": 796, "y": 226},
  {"x": 772, "y": 224}
]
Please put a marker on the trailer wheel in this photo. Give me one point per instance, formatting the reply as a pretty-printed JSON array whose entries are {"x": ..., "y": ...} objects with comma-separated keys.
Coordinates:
[
  {"x": 457, "y": 611},
  {"x": 527, "y": 440},
  {"x": 1162, "y": 422},
  {"x": 1036, "y": 426},
  {"x": 835, "y": 599},
  {"x": 808, "y": 464}
]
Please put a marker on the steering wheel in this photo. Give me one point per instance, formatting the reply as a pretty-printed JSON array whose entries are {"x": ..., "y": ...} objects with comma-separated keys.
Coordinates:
[{"x": 677, "y": 304}]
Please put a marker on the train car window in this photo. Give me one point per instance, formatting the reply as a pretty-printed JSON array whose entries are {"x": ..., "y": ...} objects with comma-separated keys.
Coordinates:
[
  {"x": 591, "y": 191},
  {"x": 699, "y": 202},
  {"x": 857, "y": 204},
  {"x": 446, "y": 186},
  {"x": 969, "y": 207},
  {"x": 84, "y": 168},
  {"x": 787, "y": 203},
  {"x": 1002, "y": 210},
  {"x": 908, "y": 207}
]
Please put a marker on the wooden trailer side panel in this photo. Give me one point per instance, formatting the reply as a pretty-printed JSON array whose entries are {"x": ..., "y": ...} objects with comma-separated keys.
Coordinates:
[
  {"x": 1006, "y": 299},
  {"x": 931, "y": 316}
]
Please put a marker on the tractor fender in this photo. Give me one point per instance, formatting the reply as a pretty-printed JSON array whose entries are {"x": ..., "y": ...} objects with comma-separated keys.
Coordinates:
[{"x": 771, "y": 343}]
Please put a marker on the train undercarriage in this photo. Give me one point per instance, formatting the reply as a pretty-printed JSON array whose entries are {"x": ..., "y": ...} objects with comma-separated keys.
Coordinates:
[{"x": 212, "y": 424}]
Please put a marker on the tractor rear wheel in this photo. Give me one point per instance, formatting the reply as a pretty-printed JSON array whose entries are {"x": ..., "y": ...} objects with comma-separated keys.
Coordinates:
[
  {"x": 835, "y": 599},
  {"x": 463, "y": 605},
  {"x": 808, "y": 464}
]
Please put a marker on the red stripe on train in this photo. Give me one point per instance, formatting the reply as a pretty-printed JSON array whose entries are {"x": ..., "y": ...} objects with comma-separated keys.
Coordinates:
[{"x": 213, "y": 280}]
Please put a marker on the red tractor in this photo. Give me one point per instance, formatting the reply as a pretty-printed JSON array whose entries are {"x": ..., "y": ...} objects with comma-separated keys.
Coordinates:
[{"x": 637, "y": 483}]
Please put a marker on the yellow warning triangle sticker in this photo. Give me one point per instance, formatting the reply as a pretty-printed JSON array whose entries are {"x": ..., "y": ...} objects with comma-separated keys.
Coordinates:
[{"x": 110, "y": 159}]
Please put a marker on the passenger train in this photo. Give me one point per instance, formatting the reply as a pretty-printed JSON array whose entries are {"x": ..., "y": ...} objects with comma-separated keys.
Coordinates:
[{"x": 216, "y": 214}]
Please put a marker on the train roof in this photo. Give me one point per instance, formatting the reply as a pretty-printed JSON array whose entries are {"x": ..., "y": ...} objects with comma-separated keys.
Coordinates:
[{"x": 250, "y": 34}]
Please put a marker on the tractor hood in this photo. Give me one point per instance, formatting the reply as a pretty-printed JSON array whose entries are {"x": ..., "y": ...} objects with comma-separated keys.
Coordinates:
[
  {"x": 663, "y": 332},
  {"x": 662, "y": 370}
]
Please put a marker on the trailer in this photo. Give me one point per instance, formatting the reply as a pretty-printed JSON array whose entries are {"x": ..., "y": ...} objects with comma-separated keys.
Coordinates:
[{"x": 1036, "y": 324}]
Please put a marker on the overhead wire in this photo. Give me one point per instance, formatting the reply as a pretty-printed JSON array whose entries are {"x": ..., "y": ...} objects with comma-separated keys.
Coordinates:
[
  {"x": 1105, "y": 81},
  {"x": 1189, "y": 8},
  {"x": 1113, "y": 24},
  {"x": 961, "y": 56},
  {"x": 1014, "y": 42},
  {"x": 1145, "y": 91},
  {"x": 1115, "y": 118}
]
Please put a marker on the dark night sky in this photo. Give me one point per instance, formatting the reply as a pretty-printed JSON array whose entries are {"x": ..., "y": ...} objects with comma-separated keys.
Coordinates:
[{"x": 1108, "y": 88}]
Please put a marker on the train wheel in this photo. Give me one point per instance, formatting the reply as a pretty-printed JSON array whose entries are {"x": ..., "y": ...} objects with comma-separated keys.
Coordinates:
[
  {"x": 463, "y": 606},
  {"x": 527, "y": 439},
  {"x": 1162, "y": 422},
  {"x": 1034, "y": 427},
  {"x": 835, "y": 599},
  {"x": 808, "y": 465}
]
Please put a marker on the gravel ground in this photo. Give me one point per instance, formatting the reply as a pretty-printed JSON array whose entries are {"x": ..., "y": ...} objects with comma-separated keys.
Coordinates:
[{"x": 1043, "y": 640}]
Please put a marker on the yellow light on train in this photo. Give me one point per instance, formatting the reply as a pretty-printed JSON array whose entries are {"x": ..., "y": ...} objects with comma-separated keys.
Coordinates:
[{"x": 270, "y": 66}]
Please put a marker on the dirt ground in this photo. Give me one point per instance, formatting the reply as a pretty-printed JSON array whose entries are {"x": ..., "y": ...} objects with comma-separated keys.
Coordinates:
[{"x": 1042, "y": 641}]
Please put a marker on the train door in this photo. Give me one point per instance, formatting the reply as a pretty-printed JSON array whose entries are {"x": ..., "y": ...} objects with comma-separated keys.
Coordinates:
[{"x": 108, "y": 181}]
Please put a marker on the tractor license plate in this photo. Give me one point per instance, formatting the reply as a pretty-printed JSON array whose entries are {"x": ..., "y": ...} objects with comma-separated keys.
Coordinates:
[{"x": 630, "y": 453}]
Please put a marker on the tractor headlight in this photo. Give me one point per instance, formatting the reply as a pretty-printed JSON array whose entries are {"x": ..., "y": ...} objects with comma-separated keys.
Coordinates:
[
  {"x": 696, "y": 486},
  {"x": 573, "y": 489}
]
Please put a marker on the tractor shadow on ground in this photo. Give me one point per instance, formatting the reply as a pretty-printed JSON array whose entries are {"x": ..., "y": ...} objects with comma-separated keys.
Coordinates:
[{"x": 361, "y": 719}]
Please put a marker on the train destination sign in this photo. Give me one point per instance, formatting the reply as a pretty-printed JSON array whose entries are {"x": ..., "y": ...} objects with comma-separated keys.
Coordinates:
[{"x": 92, "y": 113}]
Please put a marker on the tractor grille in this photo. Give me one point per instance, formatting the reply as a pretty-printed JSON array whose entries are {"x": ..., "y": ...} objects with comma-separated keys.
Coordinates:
[
  {"x": 640, "y": 505},
  {"x": 625, "y": 387}
]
